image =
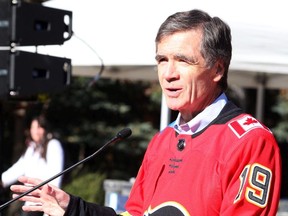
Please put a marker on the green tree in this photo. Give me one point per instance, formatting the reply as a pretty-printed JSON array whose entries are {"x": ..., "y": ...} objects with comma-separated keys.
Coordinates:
[{"x": 281, "y": 129}]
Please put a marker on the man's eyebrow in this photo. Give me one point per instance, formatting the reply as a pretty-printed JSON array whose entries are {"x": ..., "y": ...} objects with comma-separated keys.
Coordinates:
[
  {"x": 158, "y": 57},
  {"x": 186, "y": 58}
]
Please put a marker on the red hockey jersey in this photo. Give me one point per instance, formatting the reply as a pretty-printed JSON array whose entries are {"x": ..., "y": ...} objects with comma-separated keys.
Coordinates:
[{"x": 232, "y": 167}]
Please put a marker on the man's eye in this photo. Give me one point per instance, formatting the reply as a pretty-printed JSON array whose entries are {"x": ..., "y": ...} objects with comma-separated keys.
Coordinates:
[
  {"x": 161, "y": 60},
  {"x": 184, "y": 61}
]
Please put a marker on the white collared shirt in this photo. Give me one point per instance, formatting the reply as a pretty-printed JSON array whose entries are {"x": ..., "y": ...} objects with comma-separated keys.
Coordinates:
[{"x": 203, "y": 118}]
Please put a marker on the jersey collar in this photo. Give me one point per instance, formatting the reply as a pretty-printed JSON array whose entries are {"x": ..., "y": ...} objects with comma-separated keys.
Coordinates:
[{"x": 203, "y": 118}]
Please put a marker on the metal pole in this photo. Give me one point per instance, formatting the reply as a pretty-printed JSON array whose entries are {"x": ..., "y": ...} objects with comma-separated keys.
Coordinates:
[
  {"x": 165, "y": 114},
  {"x": 261, "y": 80}
]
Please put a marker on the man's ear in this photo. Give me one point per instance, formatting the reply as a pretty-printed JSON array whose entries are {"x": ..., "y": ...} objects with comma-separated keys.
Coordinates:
[{"x": 219, "y": 70}]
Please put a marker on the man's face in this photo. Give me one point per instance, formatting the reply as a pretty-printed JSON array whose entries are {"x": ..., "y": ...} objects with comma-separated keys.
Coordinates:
[{"x": 188, "y": 85}]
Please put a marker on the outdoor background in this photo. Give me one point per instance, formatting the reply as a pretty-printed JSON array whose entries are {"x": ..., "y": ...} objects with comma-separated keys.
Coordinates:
[{"x": 119, "y": 35}]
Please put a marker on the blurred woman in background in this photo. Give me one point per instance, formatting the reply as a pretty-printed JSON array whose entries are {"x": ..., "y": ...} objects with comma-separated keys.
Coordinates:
[{"x": 43, "y": 158}]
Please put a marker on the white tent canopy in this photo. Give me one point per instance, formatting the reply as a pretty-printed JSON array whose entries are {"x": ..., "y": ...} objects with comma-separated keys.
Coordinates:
[{"x": 122, "y": 33}]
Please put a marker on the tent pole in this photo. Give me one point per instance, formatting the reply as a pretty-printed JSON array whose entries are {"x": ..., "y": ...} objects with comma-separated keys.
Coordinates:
[
  {"x": 261, "y": 82},
  {"x": 165, "y": 113},
  {"x": 260, "y": 102}
]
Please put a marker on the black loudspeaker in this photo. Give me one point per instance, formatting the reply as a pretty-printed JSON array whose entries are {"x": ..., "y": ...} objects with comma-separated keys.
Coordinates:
[
  {"x": 24, "y": 73},
  {"x": 25, "y": 24}
]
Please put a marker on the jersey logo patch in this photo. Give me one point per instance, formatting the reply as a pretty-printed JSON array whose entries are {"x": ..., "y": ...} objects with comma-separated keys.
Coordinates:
[
  {"x": 169, "y": 208},
  {"x": 243, "y": 125}
]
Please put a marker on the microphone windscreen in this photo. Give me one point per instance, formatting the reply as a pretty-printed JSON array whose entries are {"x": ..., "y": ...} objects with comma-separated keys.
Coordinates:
[{"x": 124, "y": 133}]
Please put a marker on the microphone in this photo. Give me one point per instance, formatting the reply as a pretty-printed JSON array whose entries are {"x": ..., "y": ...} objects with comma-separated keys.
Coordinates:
[{"x": 123, "y": 134}]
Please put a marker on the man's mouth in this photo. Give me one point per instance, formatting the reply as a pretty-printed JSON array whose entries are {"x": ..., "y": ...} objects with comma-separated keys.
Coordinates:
[{"x": 173, "y": 92}]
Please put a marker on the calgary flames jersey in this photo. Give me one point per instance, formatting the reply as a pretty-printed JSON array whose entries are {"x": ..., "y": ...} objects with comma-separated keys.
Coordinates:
[{"x": 232, "y": 167}]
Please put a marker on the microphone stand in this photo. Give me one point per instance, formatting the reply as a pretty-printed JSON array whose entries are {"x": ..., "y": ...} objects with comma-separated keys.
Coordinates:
[{"x": 124, "y": 133}]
